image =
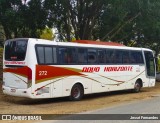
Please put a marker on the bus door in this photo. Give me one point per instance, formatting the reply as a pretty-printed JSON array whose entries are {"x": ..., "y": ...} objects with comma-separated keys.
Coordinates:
[{"x": 150, "y": 67}]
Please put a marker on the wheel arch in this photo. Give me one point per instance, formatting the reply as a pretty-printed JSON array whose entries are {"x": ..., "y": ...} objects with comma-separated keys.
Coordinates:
[
  {"x": 76, "y": 86},
  {"x": 79, "y": 83},
  {"x": 140, "y": 81}
]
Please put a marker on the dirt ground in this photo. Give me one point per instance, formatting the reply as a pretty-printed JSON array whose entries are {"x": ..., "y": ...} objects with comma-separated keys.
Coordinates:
[{"x": 17, "y": 105}]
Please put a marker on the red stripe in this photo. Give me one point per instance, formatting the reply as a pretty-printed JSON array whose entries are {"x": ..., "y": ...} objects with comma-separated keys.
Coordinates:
[
  {"x": 99, "y": 42},
  {"x": 24, "y": 71},
  {"x": 46, "y": 72}
]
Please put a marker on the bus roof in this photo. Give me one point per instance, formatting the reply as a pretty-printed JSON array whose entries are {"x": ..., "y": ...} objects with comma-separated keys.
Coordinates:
[
  {"x": 98, "y": 43},
  {"x": 90, "y": 43}
]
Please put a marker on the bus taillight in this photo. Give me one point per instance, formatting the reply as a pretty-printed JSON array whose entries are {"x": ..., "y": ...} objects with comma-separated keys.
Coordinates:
[{"x": 29, "y": 77}]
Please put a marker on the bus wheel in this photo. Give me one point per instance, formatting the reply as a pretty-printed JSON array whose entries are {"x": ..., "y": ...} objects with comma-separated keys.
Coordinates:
[
  {"x": 77, "y": 92},
  {"x": 137, "y": 87}
]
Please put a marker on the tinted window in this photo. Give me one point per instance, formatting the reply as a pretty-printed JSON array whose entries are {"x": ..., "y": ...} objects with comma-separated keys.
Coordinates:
[
  {"x": 118, "y": 58},
  {"x": 92, "y": 56},
  {"x": 126, "y": 57},
  {"x": 67, "y": 55},
  {"x": 54, "y": 55},
  {"x": 110, "y": 56},
  {"x": 101, "y": 56},
  {"x": 149, "y": 63},
  {"x": 136, "y": 57},
  {"x": 40, "y": 53},
  {"x": 46, "y": 55},
  {"x": 82, "y": 55},
  {"x": 15, "y": 50}
]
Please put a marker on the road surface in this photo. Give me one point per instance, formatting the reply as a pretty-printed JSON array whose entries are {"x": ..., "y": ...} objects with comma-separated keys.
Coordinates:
[{"x": 149, "y": 108}]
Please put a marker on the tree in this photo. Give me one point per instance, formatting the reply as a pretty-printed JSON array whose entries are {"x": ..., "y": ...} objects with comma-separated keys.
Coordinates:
[
  {"x": 34, "y": 18},
  {"x": 22, "y": 19},
  {"x": 118, "y": 20},
  {"x": 133, "y": 22},
  {"x": 7, "y": 15},
  {"x": 151, "y": 27},
  {"x": 47, "y": 34},
  {"x": 2, "y": 36},
  {"x": 75, "y": 18}
]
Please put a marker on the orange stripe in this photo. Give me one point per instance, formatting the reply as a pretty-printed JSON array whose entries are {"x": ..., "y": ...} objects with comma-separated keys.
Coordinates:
[{"x": 53, "y": 72}]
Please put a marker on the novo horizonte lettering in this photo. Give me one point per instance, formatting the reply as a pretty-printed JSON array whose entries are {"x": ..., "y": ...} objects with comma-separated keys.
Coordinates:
[{"x": 107, "y": 69}]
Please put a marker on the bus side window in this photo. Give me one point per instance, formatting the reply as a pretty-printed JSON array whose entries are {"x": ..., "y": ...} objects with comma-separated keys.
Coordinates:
[
  {"x": 110, "y": 56},
  {"x": 118, "y": 57},
  {"x": 48, "y": 55},
  {"x": 101, "y": 56},
  {"x": 92, "y": 56},
  {"x": 40, "y": 54},
  {"x": 61, "y": 54},
  {"x": 136, "y": 57},
  {"x": 67, "y": 55},
  {"x": 54, "y": 55},
  {"x": 82, "y": 55},
  {"x": 126, "y": 57},
  {"x": 71, "y": 56}
]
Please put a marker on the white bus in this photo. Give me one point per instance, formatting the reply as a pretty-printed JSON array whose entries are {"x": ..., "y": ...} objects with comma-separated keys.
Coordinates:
[{"x": 37, "y": 68}]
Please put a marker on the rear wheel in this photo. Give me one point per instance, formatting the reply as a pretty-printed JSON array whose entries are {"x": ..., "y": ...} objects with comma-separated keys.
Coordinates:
[
  {"x": 77, "y": 92},
  {"x": 137, "y": 87}
]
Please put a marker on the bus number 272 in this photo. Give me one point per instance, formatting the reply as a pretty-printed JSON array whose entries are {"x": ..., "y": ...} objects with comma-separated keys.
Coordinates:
[{"x": 42, "y": 73}]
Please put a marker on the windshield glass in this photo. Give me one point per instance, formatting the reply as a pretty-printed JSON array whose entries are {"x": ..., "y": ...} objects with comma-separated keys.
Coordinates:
[{"x": 15, "y": 50}]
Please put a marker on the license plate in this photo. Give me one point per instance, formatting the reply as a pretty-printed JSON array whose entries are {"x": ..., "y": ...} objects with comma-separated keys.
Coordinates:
[{"x": 13, "y": 90}]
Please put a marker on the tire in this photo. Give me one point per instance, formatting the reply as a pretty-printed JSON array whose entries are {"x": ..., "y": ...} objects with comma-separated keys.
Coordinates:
[
  {"x": 77, "y": 92},
  {"x": 137, "y": 87}
]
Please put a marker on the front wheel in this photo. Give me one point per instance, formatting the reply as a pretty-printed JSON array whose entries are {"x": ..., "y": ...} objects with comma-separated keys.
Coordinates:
[
  {"x": 77, "y": 92},
  {"x": 137, "y": 87}
]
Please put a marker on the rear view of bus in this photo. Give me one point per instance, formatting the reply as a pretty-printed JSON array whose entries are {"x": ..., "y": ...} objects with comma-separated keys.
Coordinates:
[{"x": 17, "y": 76}]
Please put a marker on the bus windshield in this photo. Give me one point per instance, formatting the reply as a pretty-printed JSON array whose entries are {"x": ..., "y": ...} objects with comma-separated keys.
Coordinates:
[{"x": 15, "y": 50}]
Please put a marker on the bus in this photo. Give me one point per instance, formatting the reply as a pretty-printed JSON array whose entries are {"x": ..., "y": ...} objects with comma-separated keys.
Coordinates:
[{"x": 37, "y": 68}]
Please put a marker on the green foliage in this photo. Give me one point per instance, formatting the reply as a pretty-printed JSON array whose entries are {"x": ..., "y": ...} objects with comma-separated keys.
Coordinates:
[
  {"x": 117, "y": 22},
  {"x": 22, "y": 20},
  {"x": 132, "y": 22},
  {"x": 2, "y": 36},
  {"x": 47, "y": 34},
  {"x": 75, "y": 18}
]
